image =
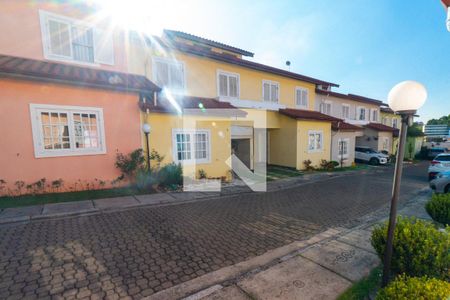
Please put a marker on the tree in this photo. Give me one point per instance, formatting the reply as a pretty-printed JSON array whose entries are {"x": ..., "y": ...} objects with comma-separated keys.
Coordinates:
[
  {"x": 415, "y": 130},
  {"x": 445, "y": 120}
]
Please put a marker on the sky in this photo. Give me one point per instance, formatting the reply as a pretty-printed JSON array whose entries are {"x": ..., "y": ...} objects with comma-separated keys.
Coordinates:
[{"x": 364, "y": 46}]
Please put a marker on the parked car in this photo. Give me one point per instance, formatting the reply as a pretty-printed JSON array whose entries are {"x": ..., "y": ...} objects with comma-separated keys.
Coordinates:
[
  {"x": 433, "y": 152},
  {"x": 367, "y": 154},
  {"x": 441, "y": 184},
  {"x": 440, "y": 163}
]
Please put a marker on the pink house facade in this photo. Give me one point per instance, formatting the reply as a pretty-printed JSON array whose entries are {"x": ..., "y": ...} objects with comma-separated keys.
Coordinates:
[{"x": 67, "y": 103}]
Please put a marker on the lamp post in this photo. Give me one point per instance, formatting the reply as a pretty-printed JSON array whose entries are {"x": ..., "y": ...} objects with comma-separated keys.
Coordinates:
[
  {"x": 405, "y": 99},
  {"x": 146, "y": 129}
]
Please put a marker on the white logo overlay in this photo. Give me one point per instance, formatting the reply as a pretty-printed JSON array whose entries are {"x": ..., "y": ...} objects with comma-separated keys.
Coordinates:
[{"x": 229, "y": 145}]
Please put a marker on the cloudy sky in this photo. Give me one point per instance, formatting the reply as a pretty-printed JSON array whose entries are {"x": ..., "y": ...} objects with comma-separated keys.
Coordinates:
[{"x": 366, "y": 46}]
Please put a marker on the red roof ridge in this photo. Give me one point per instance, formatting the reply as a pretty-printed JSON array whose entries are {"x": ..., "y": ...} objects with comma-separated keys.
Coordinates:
[
  {"x": 206, "y": 41},
  {"x": 307, "y": 115},
  {"x": 380, "y": 127},
  {"x": 20, "y": 67}
]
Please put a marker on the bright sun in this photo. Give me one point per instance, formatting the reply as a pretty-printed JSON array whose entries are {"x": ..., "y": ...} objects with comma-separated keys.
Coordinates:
[{"x": 140, "y": 15}]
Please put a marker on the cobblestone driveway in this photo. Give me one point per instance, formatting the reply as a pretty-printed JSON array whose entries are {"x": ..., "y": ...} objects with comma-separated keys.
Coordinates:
[{"x": 141, "y": 251}]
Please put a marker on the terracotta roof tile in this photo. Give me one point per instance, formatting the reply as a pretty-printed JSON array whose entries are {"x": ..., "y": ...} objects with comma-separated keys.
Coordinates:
[
  {"x": 188, "y": 36},
  {"x": 164, "y": 105},
  {"x": 350, "y": 97},
  {"x": 380, "y": 127},
  {"x": 18, "y": 67},
  {"x": 302, "y": 114}
]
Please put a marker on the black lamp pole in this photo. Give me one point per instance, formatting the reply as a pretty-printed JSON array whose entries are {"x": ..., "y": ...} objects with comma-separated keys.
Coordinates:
[
  {"x": 406, "y": 120},
  {"x": 148, "y": 151}
]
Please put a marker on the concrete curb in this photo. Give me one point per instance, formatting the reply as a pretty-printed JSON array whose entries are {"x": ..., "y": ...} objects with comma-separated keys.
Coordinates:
[{"x": 198, "y": 284}]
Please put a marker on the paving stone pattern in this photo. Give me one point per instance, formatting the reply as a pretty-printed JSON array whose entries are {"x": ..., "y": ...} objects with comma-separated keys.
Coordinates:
[{"x": 137, "y": 252}]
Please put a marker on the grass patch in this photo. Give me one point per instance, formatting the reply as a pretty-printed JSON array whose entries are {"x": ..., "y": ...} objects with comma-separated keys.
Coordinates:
[
  {"x": 27, "y": 200},
  {"x": 277, "y": 172},
  {"x": 362, "y": 289}
]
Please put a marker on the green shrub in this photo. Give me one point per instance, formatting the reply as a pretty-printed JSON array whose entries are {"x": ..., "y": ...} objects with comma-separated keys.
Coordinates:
[
  {"x": 129, "y": 164},
  {"x": 419, "y": 248},
  {"x": 202, "y": 174},
  {"x": 170, "y": 175},
  {"x": 145, "y": 180},
  {"x": 308, "y": 165},
  {"x": 439, "y": 208},
  {"x": 404, "y": 287}
]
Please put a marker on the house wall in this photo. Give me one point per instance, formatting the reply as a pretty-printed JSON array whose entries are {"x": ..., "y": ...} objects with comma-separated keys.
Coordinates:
[
  {"x": 201, "y": 76},
  {"x": 26, "y": 40},
  {"x": 303, "y": 127},
  {"x": 374, "y": 139},
  {"x": 18, "y": 161},
  {"x": 337, "y": 103},
  {"x": 368, "y": 139},
  {"x": 283, "y": 143},
  {"x": 220, "y": 135},
  {"x": 336, "y": 136}
]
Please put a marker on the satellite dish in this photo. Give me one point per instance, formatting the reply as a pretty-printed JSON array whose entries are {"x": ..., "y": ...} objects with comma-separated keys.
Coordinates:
[{"x": 288, "y": 63}]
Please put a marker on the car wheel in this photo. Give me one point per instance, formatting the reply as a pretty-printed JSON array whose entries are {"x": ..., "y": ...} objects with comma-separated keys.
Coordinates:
[{"x": 374, "y": 161}]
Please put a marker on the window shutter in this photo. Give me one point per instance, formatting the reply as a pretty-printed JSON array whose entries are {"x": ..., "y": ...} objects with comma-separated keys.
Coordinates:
[
  {"x": 161, "y": 73},
  {"x": 58, "y": 40},
  {"x": 274, "y": 93},
  {"x": 103, "y": 46},
  {"x": 266, "y": 91},
  {"x": 223, "y": 85},
  {"x": 298, "y": 97},
  {"x": 304, "y": 98},
  {"x": 176, "y": 76},
  {"x": 232, "y": 80}
]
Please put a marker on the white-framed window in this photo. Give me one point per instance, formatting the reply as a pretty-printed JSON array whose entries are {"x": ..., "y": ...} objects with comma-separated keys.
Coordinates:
[
  {"x": 67, "y": 39},
  {"x": 343, "y": 147},
  {"x": 375, "y": 115},
  {"x": 191, "y": 146},
  {"x": 385, "y": 143},
  {"x": 301, "y": 97},
  {"x": 67, "y": 130},
  {"x": 361, "y": 113},
  {"x": 315, "y": 141},
  {"x": 325, "y": 107},
  {"x": 168, "y": 73},
  {"x": 394, "y": 123},
  {"x": 270, "y": 91},
  {"x": 345, "y": 111},
  {"x": 227, "y": 84}
]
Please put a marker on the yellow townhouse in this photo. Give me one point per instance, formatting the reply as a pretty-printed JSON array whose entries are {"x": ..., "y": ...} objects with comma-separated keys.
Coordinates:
[
  {"x": 389, "y": 118},
  {"x": 197, "y": 73}
]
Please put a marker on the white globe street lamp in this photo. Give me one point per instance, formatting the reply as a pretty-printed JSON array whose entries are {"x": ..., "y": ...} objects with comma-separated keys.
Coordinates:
[
  {"x": 146, "y": 128},
  {"x": 405, "y": 99}
]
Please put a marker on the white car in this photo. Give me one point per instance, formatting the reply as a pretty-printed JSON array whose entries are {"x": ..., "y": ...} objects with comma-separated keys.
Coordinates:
[
  {"x": 371, "y": 156},
  {"x": 440, "y": 163}
]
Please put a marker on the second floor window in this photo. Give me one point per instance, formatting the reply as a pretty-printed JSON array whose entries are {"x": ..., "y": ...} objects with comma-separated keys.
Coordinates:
[
  {"x": 361, "y": 114},
  {"x": 168, "y": 73},
  {"x": 345, "y": 111},
  {"x": 375, "y": 115},
  {"x": 301, "y": 97},
  {"x": 325, "y": 108},
  {"x": 271, "y": 91},
  {"x": 228, "y": 84},
  {"x": 394, "y": 123},
  {"x": 67, "y": 39}
]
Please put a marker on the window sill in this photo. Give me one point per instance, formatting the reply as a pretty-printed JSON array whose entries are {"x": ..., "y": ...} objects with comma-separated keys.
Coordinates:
[
  {"x": 72, "y": 61},
  {"x": 316, "y": 151},
  {"x": 192, "y": 162},
  {"x": 67, "y": 153}
]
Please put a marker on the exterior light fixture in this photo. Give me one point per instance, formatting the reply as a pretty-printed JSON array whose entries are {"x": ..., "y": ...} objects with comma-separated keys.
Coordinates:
[
  {"x": 146, "y": 128},
  {"x": 405, "y": 99}
]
